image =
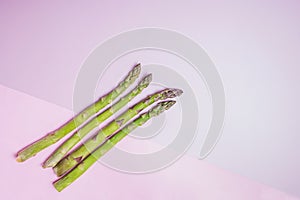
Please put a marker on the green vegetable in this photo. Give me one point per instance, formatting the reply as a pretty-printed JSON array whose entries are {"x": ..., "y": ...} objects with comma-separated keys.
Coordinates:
[
  {"x": 84, "y": 150},
  {"x": 76, "y": 172},
  {"x": 54, "y": 136},
  {"x": 65, "y": 147}
]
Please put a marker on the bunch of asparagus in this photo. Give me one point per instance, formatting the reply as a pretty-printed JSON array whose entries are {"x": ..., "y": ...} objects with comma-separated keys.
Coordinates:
[{"x": 70, "y": 164}]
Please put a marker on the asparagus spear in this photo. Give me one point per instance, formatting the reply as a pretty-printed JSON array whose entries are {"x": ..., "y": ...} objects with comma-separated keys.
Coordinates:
[
  {"x": 84, "y": 150},
  {"x": 75, "y": 173},
  {"x": 54, "y": 136},
  {"x": 65, "y": 147}
]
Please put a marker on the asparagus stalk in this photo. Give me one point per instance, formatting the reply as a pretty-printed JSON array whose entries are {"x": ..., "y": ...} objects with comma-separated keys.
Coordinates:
[
  {"x": 54, "y": 136},
  {"x": 84, "y": 150},
  {"x": 76, "y": 172},
  {"x": 65, "y": 147}
]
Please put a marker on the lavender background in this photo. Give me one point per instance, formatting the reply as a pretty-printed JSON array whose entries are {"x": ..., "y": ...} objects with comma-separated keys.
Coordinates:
[{"x": 255, "y": 46}]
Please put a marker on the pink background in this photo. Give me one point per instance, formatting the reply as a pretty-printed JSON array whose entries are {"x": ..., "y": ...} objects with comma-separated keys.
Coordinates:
[
  {"x": 188, "y": 178},
  {"x": 255, "y": 46}
]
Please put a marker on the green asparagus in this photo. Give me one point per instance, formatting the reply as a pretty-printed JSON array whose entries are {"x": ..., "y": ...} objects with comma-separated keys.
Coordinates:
[
  {"x": 76, "y": 172},
  {"x": 65, "y": 147},
  {"x": 82, "y": 151},
  {"x": 54, "y": 136}
]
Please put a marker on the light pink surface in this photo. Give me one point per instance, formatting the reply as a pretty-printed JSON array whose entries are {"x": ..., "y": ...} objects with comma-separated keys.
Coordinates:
[
  {"x": 255, "y": 45},
  {"x": 25, "y": 118}
]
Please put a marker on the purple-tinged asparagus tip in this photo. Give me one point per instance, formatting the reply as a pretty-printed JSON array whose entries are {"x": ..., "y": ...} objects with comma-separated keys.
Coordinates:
[
  {"x": 146, "y": 80},
  {"x": 136, "y": 70},
  {"x": 177, "y": 92},
  {"x": 171, "y": 93}
]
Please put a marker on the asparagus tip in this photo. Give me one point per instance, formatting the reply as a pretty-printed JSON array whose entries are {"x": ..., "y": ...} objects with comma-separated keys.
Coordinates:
[
  {"x": 146, "y": 80},
  {"x": 171, "y": 93},
  {"x": 136, "y": 69},
  {"x": 177, "y": 92}
]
